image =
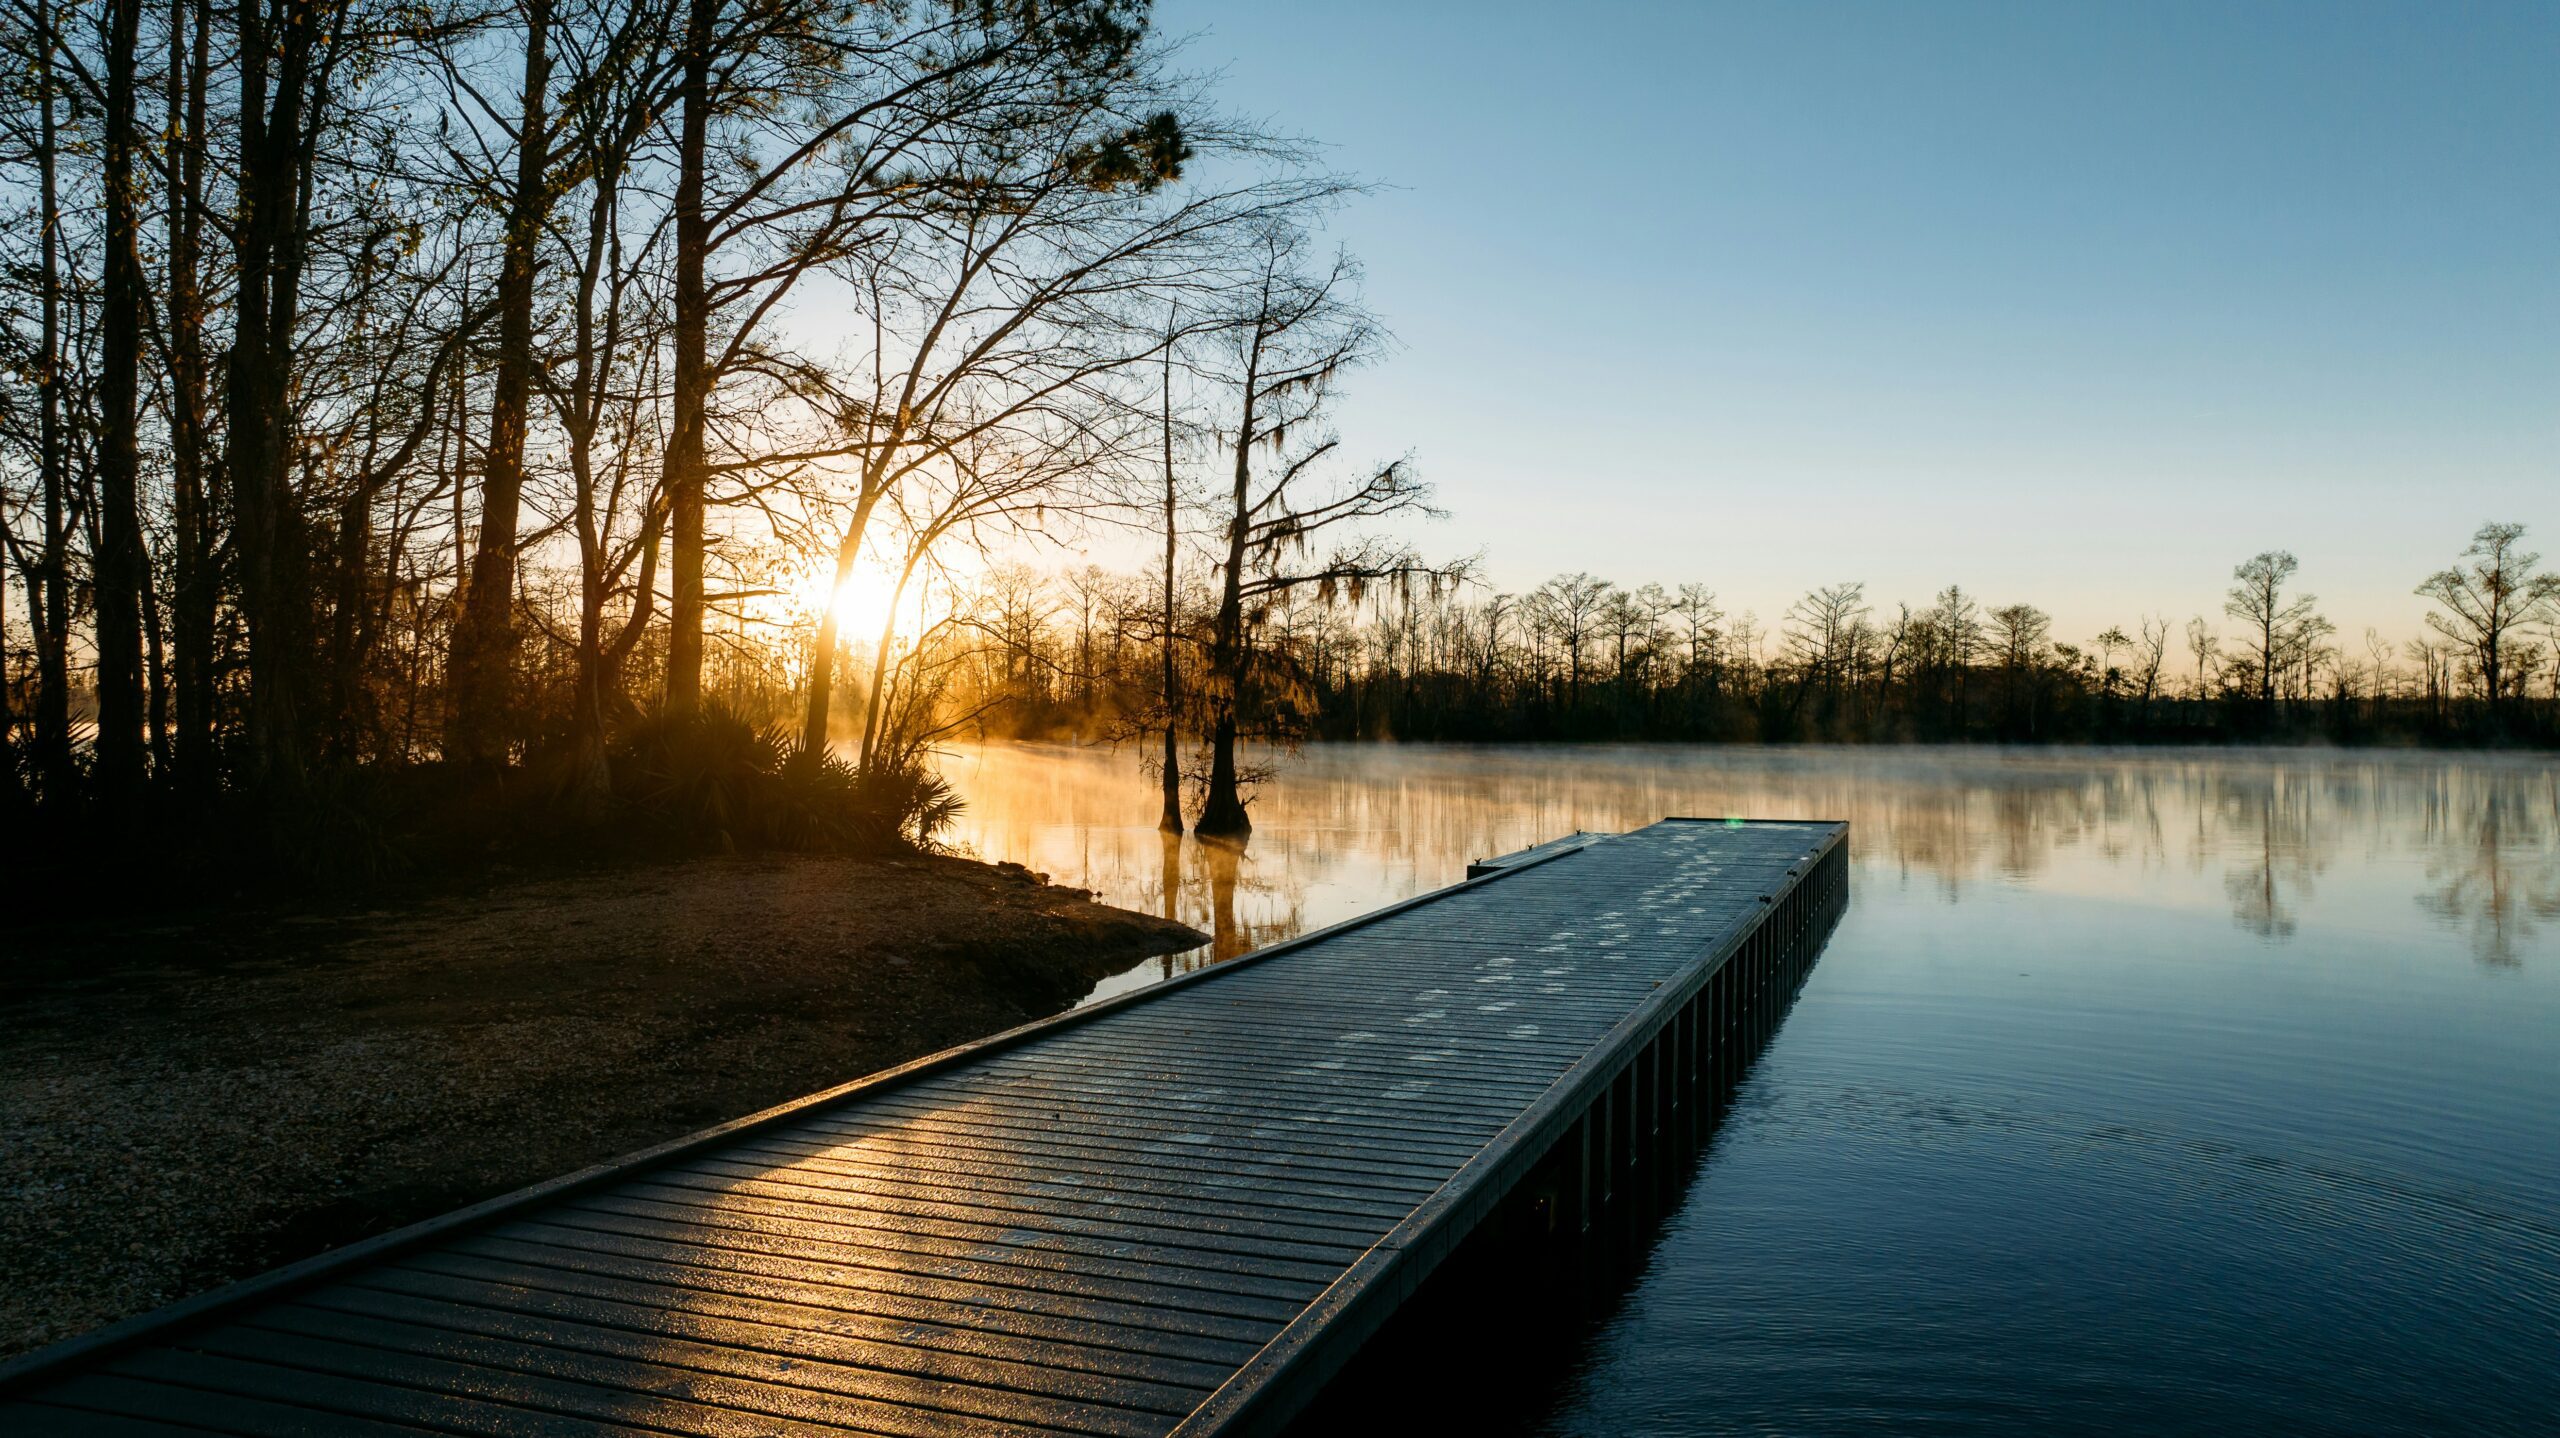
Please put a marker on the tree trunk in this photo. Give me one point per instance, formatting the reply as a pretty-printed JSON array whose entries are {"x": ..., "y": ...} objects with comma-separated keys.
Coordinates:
[
  {"x": 1222, "y": 815},
  {"x": 155, "y": 670},
  {"x": 2492, "y": 670},
  {"x": 873, "y": 705},
  {"x": 610, "y": 693},
  {"x": 822, "y": 657},
  {"x": 117, "y": 573},
  {"x": 589, "y": 781},
  {"x": 590, "y": 778},
  {"x": 192, "y": 595},
  {"x": 686, "y": 463},
  {"x": 1170, "y": 821},
  {"x": 52, "y": 617},
  {"x": 484, "y": 641},
  {"x": 342, "y": 733},
  {"x": 267, "y": 518}
]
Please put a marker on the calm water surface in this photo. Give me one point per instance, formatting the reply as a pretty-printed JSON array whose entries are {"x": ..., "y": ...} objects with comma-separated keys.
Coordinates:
[{"x": 2137, "y": 1091}]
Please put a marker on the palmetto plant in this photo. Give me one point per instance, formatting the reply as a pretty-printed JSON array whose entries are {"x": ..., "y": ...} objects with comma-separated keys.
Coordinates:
[{"x": 720, "y": 776}]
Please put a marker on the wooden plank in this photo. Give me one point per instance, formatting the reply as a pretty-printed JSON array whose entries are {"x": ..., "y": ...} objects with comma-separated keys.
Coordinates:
[
  {"x": 1486, "y": 1050},
  {"x": 1016, "y": 1269},
  {"x": 1367, "y": 1166},
  {"x": 1415, "y": 1134},
  {"x": 1320, "y": 1212},
  {"x": 78, "y": 1423},
  {"x": 913, "y": 1152},
  {"x": 793, "y": 1383},
  {"x": 164, "y": 1406},
  {"x": 954, "y": 1352},
  {"x": 1189, "y": 1134},
  {"x": 1061, "y": 1103},
  {"x": 1334, "y": 1082},
  {"x": 1070, "y": 1330},
  {"x": 1024, "y": 1247},
  {"x": 1349, "y": 1075},
  {"x": 958, "y": 1288},
  {"x": 1047, "y": 1221},
  {"x": 516, "y": 1391},
  {"x": 334, "y": 1404}
]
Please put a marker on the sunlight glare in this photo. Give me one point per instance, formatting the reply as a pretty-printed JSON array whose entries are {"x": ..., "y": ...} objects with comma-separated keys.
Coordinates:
[{"x": 862, "y": 602}]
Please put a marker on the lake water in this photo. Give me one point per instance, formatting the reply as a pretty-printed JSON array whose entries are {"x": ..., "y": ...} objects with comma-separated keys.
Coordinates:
[{"x": 2137, "y": 1091}]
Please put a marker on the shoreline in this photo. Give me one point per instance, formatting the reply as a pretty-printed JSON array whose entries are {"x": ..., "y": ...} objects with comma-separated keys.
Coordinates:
[
  {"x": 190, "y": 1099},
  {"x": 2062, "y": 748}
]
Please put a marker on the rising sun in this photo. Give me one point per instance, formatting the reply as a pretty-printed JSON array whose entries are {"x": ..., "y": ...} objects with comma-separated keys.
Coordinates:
[{"x": 860, "y": 604}]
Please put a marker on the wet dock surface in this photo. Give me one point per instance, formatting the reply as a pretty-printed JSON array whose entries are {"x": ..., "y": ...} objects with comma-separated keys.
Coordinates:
[{"x": 1176, "y": 1212}]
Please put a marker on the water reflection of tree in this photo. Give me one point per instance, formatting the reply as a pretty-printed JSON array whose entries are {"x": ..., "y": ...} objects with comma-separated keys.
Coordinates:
[
  {"x": 1214, "y": 887},
  {"x": 2273, "y": 820},
  {"x": 1355, "y": 826},
  {"x": 1222, "y": 868},
  {"x": 2496, "y": 874}
]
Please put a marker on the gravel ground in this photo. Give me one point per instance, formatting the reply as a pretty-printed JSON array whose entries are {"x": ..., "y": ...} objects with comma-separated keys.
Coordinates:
[{"x": 183, "y": 1102}]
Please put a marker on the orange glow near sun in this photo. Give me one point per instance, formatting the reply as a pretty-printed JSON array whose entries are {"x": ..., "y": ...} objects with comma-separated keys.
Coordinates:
[{"x": 862, "y": 602}]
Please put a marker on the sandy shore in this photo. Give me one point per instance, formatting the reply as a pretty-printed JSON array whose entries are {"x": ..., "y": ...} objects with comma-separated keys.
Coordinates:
[{"x": 184, "y": 1101}]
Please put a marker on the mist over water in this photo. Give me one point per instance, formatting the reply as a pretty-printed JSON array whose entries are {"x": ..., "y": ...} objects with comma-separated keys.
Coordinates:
[{"x": 2138, "y": 1089}]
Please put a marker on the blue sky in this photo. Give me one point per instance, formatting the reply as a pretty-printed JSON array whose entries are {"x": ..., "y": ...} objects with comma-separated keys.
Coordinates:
[{"x": 2076, "y": 304}]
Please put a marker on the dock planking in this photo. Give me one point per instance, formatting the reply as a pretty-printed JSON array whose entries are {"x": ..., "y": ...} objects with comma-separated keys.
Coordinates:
[{"x": 1178, "y": 1212}]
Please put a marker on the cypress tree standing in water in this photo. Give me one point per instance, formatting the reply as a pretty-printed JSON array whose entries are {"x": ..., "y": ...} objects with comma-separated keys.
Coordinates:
[{"x": 1298, "y": 328}]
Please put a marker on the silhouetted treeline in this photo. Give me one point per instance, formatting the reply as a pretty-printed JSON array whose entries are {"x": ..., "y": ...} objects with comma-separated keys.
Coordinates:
[{"x": 1581, "y": 658}]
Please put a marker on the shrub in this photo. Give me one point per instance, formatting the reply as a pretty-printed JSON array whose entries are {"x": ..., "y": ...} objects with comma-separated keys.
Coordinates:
[{"x": 717, "y": 776}]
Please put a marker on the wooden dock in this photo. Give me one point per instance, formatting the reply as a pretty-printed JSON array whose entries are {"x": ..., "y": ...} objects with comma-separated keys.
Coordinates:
[{"x": 1178, "y": 1212}]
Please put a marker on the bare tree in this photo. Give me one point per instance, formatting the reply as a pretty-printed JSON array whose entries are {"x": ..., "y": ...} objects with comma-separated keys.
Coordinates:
[
  {"x": 2312, "y": 653},
  {"x": 2202, "y": 643},
  {"x": 484, "y": 641},
  {"x": 2378, "y": 652},
  {"x": 923, "y": 153},
  {"x": 1006, "y": 304},
  {"x": 2276, "y": 623},
  {"x": 1956, "y": 619},
  {"x": 2485, "y": 602},
  {"x": 1821, "y": 628},
  {"x": 1296, "y": 329},
  {"x": 2018, "y": 635},
  {"x": 2150, "y": 652},
  {"x": 2110, "y": 640},
  {"x": 991, "y": 486},
  {"x": 1701, "y": 624},
  {"x": 49, "y": 590},
  {"x": 194, "y": 574},
  {"x": 119, "y": 572},
  {"x": 1569, "y": 609}
]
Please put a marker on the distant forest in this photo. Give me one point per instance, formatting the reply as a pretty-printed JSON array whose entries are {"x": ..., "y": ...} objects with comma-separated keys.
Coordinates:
[{"x": 1582, "y": 658}]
